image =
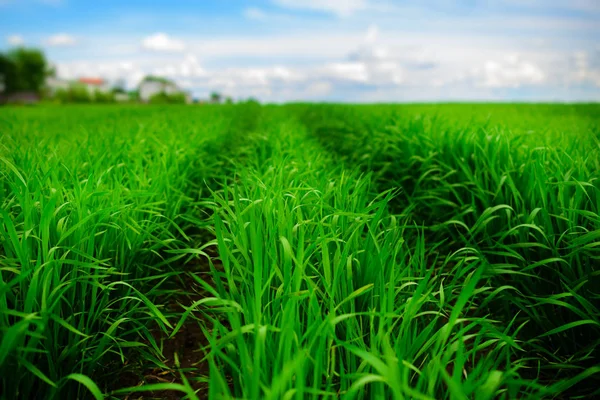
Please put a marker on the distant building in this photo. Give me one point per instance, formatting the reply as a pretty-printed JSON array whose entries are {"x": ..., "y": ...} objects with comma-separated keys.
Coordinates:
[
  {"x": 152, "y": 85},
  {"x": 54, "y": 84},
  {"x": 95, "y": 84}
]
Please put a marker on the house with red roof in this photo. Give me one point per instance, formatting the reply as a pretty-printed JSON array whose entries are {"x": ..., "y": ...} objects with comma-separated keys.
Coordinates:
[{"x": 94, "y": 84}]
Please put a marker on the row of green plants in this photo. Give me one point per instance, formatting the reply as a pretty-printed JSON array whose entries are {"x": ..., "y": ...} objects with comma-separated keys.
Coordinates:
[
  {"x": 372, "y": 252},
  {"x": 93, "y": 214},
  {"x": 522, "y": 193},
  {"x": 324, "y": 293},
  {"x": 418, "y": 252}
]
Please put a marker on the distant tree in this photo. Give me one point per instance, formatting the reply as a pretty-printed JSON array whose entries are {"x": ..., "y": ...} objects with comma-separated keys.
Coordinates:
[
  {"x": 101, "y": 96},
  {"x": 134, "y": 95},
  {"x": 164, "y": 98},
  {"x": 154, "y": 78},
  {"x": 215, "y": 97},
  {"x": 80, "y": 94},
  {"x": 24, "y": 70},
  {"x": 62, "y": 96},
  {"x": 159, "y": 98},
  {"x": 228, "y": 100},
  {"x": 178, "y": 98},
  {"x": 8, "y": 74}
]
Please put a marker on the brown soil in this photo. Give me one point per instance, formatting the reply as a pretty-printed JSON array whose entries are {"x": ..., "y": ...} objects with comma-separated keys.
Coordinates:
[{"x": 187, "y": 344}]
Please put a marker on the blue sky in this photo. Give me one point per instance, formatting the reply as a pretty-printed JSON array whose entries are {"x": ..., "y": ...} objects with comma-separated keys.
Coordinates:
[{"x": 325, "y": 50}]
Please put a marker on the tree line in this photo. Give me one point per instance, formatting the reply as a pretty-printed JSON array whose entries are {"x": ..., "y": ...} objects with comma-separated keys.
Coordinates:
[
  {"x": 24, "y": 70},
  {"x": 27, "y": 70}
]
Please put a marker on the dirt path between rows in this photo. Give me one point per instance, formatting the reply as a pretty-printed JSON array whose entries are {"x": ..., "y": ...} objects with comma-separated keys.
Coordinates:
[{"x": 185, "y": 346}]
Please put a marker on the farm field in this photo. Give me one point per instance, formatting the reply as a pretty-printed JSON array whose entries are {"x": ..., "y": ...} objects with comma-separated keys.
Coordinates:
[{"x": 302, "y": 251}]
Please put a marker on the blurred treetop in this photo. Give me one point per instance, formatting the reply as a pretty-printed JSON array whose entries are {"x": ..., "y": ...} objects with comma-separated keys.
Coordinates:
[{"x": 24, "y": 69}]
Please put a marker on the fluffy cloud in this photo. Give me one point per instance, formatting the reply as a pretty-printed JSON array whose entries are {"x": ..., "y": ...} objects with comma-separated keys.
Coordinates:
[
  {"x": 510, "y": 72},
  {"x": 15, "y": 40},
  {"x": 577, "y": 5},
  {"x": 319, "y": 88},
  {"x": 243, "y": 80},
  {"x": 386, "y": 65},
  {"x": 188, "y": 68},
  {"x": 585, "y": 67},
  {"x": 372, "y": 63},
  {"x": 163, "y": 43},
  {"x": 60, "y": 40},
  {"x": 346, "y": 71},
  {"x": 379, "y": 73}
]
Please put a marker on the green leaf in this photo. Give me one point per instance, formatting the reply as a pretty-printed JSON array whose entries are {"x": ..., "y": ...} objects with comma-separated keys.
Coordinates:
[{"x": 88, "y": 383}]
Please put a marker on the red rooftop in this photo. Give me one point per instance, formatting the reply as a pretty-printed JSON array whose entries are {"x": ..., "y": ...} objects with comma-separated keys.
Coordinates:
[{"x": 92, "y": 81}]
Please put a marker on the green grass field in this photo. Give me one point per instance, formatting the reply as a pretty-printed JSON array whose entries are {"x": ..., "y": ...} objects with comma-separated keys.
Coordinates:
[{"x": 300, "y": 252}]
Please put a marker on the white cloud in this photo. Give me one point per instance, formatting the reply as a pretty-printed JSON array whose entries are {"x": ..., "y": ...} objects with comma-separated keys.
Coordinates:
[
  {"x": 15, "y": 40},
  {"x": 319, "y": 88},
  {"x": 187, "y": 68},
  {"x": 132, "y": 71},
  {"x": 371, "y": 63},
  {"x": 309, "y": 45},
  {"x": 389, "y": 79},
  {"x": 577, "y": 5},
  {"x": 341, "y": 8},
  {"x": 368, "y": 71},
  {"x": 60, "y": 39},
  {"x": 348, "y": 71},
  {"x": 163, "y": 43},
  {"x": 235, "y": 78},
  {"x": 585, "y": 68},
  {"x": 512, "y": 72},
  {"x": 372, "y": 34},
  {"x": 376, "y": 62}
]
